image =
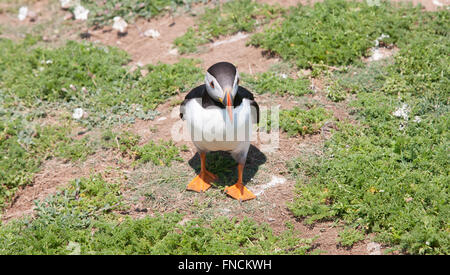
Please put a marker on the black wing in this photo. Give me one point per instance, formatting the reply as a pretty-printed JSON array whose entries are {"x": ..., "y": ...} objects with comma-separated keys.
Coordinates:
[
  {"x": 197, "y": 92},
  {"x": 244, "y": 93}
]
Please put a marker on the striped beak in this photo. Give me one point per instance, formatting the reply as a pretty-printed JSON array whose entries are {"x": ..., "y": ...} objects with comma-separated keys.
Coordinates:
[{"x": 228, "y": 103}]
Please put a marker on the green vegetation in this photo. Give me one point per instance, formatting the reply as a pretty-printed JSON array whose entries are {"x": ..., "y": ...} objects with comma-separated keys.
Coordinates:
[
  {"x": 229, "y": 18},
  {"x": 161, "y": 153},
  {"x": 336, "y": 32},
  {"x": 102, "y": 12},
  {"x": 33, "y": 80},
  {"x": 275, "y": 84},
  {"x": 385, "y": 173},
  {"x": 302, "y": 122},
  {"x": 92, "y": 77},
  {"x": 24, "y": 145},
  {"x": 349, "y": 236},
  {"x": 390, "y": 176},
  {"x": 80, "y": 220}
]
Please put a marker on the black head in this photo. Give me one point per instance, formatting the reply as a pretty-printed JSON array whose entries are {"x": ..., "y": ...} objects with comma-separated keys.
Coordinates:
[{"x": 222, "y": 80}]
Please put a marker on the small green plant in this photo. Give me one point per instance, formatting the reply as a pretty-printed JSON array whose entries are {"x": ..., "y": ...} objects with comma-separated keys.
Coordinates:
[
  {"x": 125, "y": 142},
  {"x": 302, "y": 122},
  {"x": 159, "y": 154},
  {"x": 188, "y": 42},
  {"x": 349, "y": 236},
  {"x": 335, "y": 93},
  {"x": 25, "y": 146}
]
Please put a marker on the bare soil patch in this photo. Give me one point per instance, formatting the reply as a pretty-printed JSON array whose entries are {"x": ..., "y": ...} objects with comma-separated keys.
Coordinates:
[{"x": 56, "y": 173}]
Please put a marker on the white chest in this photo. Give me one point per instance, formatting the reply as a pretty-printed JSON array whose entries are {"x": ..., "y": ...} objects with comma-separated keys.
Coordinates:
[{"x": 211, "y": 129}]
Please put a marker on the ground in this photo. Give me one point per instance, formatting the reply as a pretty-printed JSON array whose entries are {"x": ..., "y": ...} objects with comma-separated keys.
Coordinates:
[{"x": 166, "y": 185}]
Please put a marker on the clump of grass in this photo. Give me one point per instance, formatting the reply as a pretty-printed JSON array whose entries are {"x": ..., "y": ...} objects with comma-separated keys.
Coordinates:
[
  {"x": 349, "y": 236},
  {"x": 390, "y": 175},
  {"x": 160, "y": 153},
  {"x": 229, "y": 18},
  {"x": 123, "y": 141},
  {"x": 302, "y": 122},
  {"x": 274, "y": 83},
  {"x": 335, "y": 32},
  {"x": 335, "y": 93}
]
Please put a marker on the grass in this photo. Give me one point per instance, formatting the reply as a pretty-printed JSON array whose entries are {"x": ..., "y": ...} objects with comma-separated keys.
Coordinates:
[
  {"x": 25, "y": 145},
  {"x": 101, "y": 13},
  {"x": 35, "y": 80},
  {"x": 349, "y": 236},
  {"x": 390, "y": 175},
  {"x": 271, "y": 82},
  {"x": 341, "y": 31},
  {"x": 160, "y": 153},
  {"x": 91, "y": 77},
  {"x": 80, "y": 219},
  {"x": 385, "y": 174},
  {"x": 226, "y": 19},
  {"x": 297, "y": 121}
]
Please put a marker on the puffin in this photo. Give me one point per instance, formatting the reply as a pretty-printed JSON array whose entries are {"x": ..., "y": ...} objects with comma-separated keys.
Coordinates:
[{"x": 219, "y": 116}]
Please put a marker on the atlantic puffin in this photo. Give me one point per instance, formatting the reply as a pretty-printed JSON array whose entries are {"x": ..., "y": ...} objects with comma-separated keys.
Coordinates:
[{"x": 219, "y": 116}]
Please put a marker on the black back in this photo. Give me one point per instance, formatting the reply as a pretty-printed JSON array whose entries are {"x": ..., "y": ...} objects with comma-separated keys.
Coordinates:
[{"x": 207, "y": 101}]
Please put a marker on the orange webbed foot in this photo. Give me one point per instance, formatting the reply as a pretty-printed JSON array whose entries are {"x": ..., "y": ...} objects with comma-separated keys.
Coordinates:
[
  {"x": 239, "y": 192},
  {"x": 201, "y": 182}
]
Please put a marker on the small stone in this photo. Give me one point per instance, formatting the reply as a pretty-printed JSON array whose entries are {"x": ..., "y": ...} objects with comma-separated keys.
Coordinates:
[
  {"x": 173, "y": 52},
  {"x": 119, "y": 24},
  {"x": 374, "y": 248},
  {"x": 77, "y": 113},
  {"x": 68, "y": 16},
  {"x": 23, "y": 12},
  {"x": 152, "y": 33},
  {"x": 80, "y": 13},
  {"x": 65, "y": 4},
  {"x": 183, "y": 221},
  {"x": 402, "y": 112}
]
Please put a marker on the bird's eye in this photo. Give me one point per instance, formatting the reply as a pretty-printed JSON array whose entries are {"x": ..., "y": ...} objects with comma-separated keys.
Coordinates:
[{"x": 212, "y": 84}]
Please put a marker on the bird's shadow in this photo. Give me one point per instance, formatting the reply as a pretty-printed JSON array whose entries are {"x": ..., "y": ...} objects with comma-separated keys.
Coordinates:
[{"x": 225, "y": 167}]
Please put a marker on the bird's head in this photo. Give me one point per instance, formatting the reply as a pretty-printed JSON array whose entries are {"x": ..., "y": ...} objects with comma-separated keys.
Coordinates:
[{"x": 222, "y": 80}]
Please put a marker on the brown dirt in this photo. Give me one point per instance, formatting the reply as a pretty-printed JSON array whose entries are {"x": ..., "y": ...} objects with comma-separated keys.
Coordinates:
[{"x": 55, "y": 174}]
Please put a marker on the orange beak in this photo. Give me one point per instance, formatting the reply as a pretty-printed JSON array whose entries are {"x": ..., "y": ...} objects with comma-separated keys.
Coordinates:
[{"x": 229, "y": 105}]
